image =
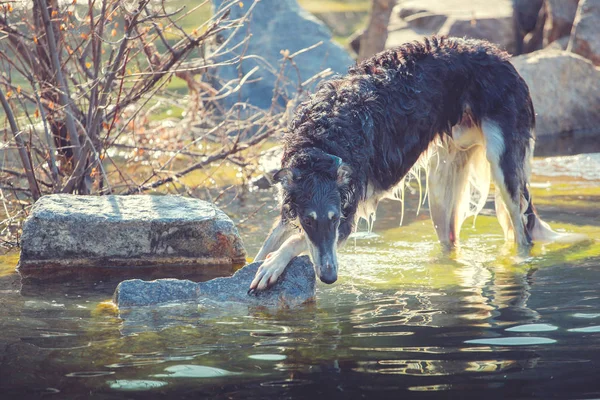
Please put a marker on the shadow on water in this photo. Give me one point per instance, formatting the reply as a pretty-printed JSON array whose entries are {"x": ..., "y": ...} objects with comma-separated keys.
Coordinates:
[
  {"x": 404, "y": 319},
  {"x": 70, "y": 281}
]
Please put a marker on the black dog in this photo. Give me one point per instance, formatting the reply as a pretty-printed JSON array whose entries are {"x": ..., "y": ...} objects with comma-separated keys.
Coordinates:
[{"x": 460, "y": 102}]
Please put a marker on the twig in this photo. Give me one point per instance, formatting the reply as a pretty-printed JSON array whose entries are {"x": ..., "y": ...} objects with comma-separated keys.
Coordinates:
[
  {"x": 199, "y": 165},
  {"x": 23, "y": 153},
  {"x": 63, "y": 89}
]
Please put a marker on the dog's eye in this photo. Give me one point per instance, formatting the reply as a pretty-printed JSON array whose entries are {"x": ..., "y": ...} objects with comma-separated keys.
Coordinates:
[{"x": 308, "y": 222}]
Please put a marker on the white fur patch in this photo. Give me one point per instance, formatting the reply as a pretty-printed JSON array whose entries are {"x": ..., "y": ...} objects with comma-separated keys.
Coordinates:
[
  {"x": 529, "y": 156},
  {"x": 466, "y": 138},
  {"x": 330, "y": 214},
  {"x": 458, "y": 184},
  {"x": 313, "y": 215},
  {"x": 495, "y": 147},
  {"x": 542, "y": 232},
  {"x": 494, "y": 141}
]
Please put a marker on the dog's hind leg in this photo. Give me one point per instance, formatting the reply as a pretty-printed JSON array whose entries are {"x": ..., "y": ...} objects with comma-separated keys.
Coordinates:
[
  {"x": 510, "y": 161},
  {"x": 503, "y": 217},
  {"x": 279, "y": 234},
  {"x": 509, "y": 156}
]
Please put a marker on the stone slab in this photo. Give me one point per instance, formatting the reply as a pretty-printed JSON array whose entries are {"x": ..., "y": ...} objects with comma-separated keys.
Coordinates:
[
  {"x": 294, "y": 287},
  {"x": 130, "y": 231}
]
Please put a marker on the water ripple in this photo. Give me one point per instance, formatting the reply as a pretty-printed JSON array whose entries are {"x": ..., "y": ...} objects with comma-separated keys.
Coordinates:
[
  {"x": 512, "y": 341},
  {"x": 135, "y": 384},
  {"x": 194, "y": 371},
  {"x": 88, "y": 374}
]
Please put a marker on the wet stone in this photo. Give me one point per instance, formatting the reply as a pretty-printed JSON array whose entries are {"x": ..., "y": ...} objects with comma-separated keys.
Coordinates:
[
  {"x": 66, "y": 231},
  {"x": 294, "y": 287}
]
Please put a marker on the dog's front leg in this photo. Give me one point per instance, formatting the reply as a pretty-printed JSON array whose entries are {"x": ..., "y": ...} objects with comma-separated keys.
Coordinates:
[
  {"x": 279, "y": 234},
  {"x": 276, "y": 262}
]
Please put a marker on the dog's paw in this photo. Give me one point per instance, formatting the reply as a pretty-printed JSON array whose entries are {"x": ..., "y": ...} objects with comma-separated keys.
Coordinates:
[{"x": 267, "y": 274}]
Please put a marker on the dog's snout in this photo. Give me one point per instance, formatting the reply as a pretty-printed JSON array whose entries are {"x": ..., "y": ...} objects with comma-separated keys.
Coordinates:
[
  {"x": 329, "y": 279},
  {"x": 324, "y": 259},
  {"x": 328, "y": 272}
]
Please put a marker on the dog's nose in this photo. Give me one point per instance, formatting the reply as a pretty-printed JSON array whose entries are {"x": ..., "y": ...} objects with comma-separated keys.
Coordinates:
[{"x": 328, "y": 273}]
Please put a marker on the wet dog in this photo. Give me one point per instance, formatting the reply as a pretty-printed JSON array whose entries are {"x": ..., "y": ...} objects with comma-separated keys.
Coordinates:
[{"x": 460, "y": 102}]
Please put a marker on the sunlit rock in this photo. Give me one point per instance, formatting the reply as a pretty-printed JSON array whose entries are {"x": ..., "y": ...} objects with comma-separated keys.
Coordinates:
[
  {"x": 479, "y": 19},
  {"x": 559, "y": 19},
  {"x": 127, "y": 231},
  {"x": 294, "y": 287},
  {"x": 565, "y": 89},
  {"x": 585, "y": 36},
  {"x": 273, "y": 27}
]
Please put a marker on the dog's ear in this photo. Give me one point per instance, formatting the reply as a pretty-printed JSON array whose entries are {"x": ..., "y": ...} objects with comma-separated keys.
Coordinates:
[
  {"x": 343, "y": 174},
  {"x": 284, "y": 176},
  {"x": 343, "y": 171}
]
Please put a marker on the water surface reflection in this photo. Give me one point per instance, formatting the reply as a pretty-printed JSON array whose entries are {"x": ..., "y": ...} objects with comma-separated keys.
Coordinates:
[{"x": 403, "y": 319}]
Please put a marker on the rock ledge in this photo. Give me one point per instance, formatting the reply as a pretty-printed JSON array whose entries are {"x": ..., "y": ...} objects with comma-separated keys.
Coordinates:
[{"x": 127, "y": 231}]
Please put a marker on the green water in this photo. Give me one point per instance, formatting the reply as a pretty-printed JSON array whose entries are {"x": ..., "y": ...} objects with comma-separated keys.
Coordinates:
[{"x": 403, "y": 320}]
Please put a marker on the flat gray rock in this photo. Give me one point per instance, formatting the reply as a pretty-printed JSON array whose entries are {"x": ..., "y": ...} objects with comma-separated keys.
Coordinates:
[
  {"x": 294, "y": 287},
  {"x": 127, "y": 231}
]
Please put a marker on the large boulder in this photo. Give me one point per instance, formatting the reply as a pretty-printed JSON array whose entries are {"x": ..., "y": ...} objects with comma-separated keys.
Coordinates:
[
  {"x": 276, "y": 26},
  {"x": 559, "y": 19},
  {"x": 294, "y": 287},
  {"x": 529, "y": 17},
  {"x": 585, "y": 36},
  {"x": 107, "y": 231},
  {"x": 498, "y": 30},
  {"x": 565, "y": 89},
  {"x": 480, "y": 19}
]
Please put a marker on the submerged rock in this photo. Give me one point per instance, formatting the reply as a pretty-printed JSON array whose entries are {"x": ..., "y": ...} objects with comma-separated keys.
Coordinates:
[
  {"x": 128, "y": 231},
  {"x": 294, "y": 287}
]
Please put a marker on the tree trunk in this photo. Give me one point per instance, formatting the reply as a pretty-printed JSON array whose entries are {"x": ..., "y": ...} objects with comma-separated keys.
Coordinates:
[{"x": 375, "y": 36}]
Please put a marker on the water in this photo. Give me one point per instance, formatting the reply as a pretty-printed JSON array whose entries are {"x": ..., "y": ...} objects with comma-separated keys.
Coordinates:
[{"x": 402, "y": 320}]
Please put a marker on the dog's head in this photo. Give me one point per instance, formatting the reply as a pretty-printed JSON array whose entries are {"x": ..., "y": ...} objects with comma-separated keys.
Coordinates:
[{"x": 314, "y": 187}]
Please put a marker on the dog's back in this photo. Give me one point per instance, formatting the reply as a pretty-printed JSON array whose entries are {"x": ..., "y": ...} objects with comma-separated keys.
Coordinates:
[{"x": 382, "y": 116}]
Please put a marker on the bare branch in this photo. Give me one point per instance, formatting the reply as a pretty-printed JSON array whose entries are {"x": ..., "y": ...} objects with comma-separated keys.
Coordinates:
[
  {"x": 202, "y": 164},
  {"x": 33, "y": 186}
]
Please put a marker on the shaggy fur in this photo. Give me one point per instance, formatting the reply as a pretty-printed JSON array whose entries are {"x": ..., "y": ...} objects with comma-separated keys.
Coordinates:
[
  {"x": 360, "y": 134},
  {"x": 381, "y": 117}
]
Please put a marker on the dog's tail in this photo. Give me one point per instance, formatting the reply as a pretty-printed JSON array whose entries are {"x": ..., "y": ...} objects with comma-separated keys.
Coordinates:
[{"x": 540, "y": 231}]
